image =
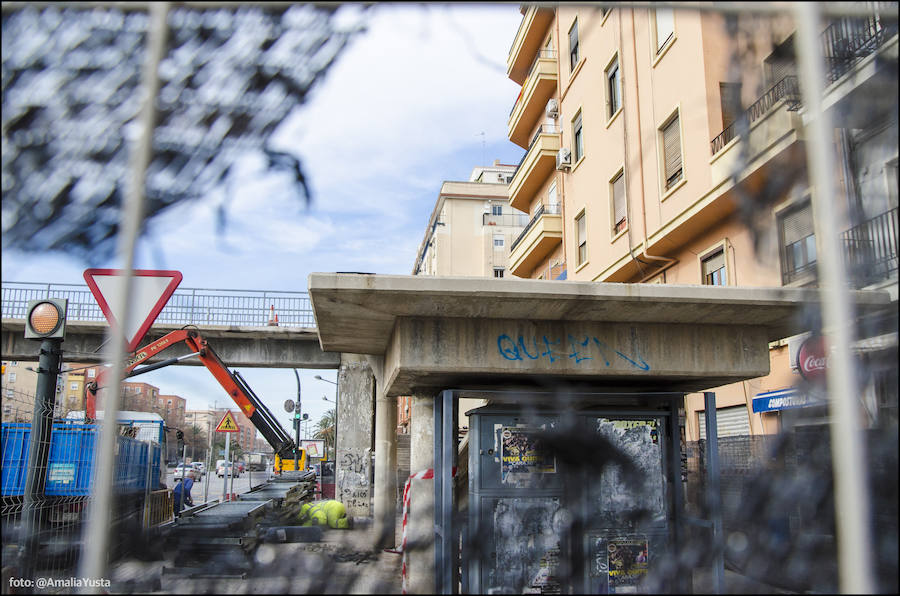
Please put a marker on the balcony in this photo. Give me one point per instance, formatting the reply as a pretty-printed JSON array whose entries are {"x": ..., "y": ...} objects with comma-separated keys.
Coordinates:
[
  {"x": 870, "y": 250},
  {"x": 538, "y": 88},
  {"x": 760, "y": 135},
  {"x": 513, "y": 220},
  {"x": 542, "y": 234},
  {"x": 536, "y": 165},
  {"x": 527, "y": 42}
]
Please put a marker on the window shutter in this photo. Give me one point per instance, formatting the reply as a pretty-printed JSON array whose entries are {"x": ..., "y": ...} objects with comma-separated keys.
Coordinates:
[
  {"x": 730, "y": 96},
  {"x": 797, "y": 225},
  {"x": 672, "y": 148},
  {"x": 713, "y": 263},
  {"x": 618, "y": 199}
]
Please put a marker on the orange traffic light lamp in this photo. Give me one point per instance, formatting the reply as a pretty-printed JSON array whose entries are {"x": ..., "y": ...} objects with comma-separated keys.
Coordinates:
[{"x": 46, "y": 319}]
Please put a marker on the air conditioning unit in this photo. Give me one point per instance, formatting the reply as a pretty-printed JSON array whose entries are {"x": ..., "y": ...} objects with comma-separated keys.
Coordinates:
[
  {"x": 563, "y": 159},
  {"x": 552, "y": 108}
]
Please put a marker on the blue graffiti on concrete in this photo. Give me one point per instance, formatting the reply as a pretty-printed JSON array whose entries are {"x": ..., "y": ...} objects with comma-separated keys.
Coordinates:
[{"x": 580, "y": 350}]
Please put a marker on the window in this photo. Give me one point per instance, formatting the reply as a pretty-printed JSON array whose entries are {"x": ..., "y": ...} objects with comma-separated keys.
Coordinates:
[
  {"x": 12, "y": 377},
  {"x": 581, "y": 238},
  {"x": 613, "y": 88},
  {"x": 498, "y": 271},
  {"x": 496, "y": 209},
  {"x": 798, "y": 243},
  {"x": 577, "y": 137},
  {"x": 730, "y": 98},
  {"x": 91, "y": 373},
  {"x": 671, "y": 140},
  {"x": 498, "y": 240},
  {"x": 73, "y": 386},
  {"x": 552, "y": 199},
  {"x": 617, "y": 189},
  {"x": 713, "y": 267},
  {"x": 573, "y": 46},
  {"x": 665, "y": 27}
]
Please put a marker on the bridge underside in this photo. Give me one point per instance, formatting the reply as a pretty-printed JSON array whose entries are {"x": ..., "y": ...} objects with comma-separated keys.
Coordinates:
[{"x": 251, "y": 347}]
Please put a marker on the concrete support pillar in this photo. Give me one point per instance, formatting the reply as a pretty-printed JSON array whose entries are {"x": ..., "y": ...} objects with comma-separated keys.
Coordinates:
[
  {"x": 386, "y": 495},
  {"x": 420, "y": 524},
  {"x": 356, "y": 388}
]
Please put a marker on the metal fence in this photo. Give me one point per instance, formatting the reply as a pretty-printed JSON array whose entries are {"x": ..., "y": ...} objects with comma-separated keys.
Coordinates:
[{"x": 187, "y": 306}]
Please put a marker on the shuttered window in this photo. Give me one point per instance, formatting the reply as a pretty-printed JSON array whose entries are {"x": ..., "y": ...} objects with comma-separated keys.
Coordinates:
[
  {"x": 730, "y": 422},
  {"x": 581, "y": 238},
  {"x": 671, "y": 139},
  {"x": 573, "y": 45},
  {"x": 730, "y": 96},
  {"x": 713, "y": 268},
  {"x": 578, "y": 137},
  {"x": 798, "y": 243},
  {"x": 618, "y": 199}
]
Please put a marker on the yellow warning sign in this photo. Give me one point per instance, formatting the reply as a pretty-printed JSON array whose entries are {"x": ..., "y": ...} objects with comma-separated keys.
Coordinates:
[{"x": 227, "y": 424}]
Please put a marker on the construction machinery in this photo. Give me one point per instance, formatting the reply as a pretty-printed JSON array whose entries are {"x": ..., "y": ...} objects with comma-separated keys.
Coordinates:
[{"x": 290, "y": 458}]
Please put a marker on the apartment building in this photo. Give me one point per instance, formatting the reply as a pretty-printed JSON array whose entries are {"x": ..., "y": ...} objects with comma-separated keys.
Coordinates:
[
  {"x": 471, "y": 227},
  {"x": 664, "y": 147}
]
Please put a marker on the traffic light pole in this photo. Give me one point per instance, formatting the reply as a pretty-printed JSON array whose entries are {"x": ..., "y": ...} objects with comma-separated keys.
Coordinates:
[{"x": 39, "y": 449}]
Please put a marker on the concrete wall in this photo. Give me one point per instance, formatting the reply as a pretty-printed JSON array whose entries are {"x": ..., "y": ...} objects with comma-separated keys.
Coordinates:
[
  {"x": 426, "y": 348},
  {"x": 355, "y": 436}
]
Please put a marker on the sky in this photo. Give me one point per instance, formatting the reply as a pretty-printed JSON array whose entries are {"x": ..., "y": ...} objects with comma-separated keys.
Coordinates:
[{"x": 419, "y": 98}]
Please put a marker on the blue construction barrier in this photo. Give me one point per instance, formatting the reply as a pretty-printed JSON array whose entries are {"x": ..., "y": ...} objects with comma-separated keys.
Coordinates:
[{"x": 71, "y": 461}]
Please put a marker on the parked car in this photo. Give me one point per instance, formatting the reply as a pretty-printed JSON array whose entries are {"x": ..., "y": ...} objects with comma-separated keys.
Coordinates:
[
  {"x": 181, "y": 470},
  {"x": 220, "y": 471}
]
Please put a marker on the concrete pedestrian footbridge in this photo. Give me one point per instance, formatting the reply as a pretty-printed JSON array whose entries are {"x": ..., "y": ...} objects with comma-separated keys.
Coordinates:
[{"x": 239, "y": 323}]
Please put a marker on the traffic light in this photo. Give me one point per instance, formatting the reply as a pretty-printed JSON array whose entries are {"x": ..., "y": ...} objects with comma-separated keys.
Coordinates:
[
  {"x": 179, "y": 437},
  {"x": 46, "y": 318}
]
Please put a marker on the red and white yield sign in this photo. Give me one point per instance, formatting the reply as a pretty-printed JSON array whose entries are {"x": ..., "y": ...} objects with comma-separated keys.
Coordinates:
[{"x": 151, "y": 291}]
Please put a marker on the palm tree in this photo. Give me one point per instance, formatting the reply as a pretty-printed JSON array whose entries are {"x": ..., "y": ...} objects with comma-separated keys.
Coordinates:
[{"x": 325, "y": 429}]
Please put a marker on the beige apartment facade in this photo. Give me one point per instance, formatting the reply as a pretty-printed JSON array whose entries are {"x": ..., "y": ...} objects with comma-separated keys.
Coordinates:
[
  {"x": 639, "y": 169},
  {"x": 471, "y": 227}
]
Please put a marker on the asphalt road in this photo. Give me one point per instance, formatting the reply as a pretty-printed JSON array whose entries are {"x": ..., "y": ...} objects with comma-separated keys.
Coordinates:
[{"x": 213, "y": 487}]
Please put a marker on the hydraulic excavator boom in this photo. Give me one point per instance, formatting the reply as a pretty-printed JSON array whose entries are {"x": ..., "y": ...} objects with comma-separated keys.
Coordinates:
[{"x": 288, "y": 455}]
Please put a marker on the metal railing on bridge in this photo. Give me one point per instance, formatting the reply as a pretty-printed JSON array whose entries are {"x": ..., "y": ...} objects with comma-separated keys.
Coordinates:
[{"x": 187, "y": 306}]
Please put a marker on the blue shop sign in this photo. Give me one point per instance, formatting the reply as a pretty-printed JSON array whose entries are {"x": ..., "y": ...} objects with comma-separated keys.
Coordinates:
[{"x": 784, "y": 399}]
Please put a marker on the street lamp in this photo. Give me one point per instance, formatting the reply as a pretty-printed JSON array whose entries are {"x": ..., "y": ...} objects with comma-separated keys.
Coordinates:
[{"x": 319, "y": 377}]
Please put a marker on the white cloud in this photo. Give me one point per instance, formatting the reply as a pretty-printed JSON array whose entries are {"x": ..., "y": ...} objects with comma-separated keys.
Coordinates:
[{"x": 401, "y": 111}]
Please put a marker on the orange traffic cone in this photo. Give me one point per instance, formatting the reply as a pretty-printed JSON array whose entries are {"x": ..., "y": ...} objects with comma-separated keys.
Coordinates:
[{"x": 273, "y": 320}]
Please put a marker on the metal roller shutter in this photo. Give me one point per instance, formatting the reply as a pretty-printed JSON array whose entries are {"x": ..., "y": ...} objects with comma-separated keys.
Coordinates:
[{"x": 730, "y": 422}]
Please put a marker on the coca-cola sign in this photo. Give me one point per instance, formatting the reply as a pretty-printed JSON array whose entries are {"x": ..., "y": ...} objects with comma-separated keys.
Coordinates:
[{"x": 812, "y": 359}]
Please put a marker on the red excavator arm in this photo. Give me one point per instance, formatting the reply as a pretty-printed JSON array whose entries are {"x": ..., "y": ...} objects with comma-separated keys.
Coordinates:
[{"x": 232, "y": 382}]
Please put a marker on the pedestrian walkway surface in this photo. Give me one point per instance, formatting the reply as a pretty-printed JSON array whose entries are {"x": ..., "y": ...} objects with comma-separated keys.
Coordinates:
[{"x": 343, "y": 562}]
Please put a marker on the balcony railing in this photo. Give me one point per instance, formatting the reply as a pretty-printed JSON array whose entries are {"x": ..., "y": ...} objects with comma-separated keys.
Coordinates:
[
  {"x": 787, "y": 89},
  {"x": 507, "y": 219},
  {"x": 540, "y": 54},
  {"x": 541, "y": 211},
  {"x": 849, "y": 39},
  {"x": 870, "y": 249},
  {"x": 545, "y": 129}
]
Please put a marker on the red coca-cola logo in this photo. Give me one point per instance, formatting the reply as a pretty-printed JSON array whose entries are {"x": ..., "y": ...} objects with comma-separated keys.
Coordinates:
[{"x": 812, "y": 359}]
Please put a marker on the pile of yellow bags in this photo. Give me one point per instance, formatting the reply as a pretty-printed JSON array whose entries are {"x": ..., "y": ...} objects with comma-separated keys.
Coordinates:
[{"x": 329, "y": 513}]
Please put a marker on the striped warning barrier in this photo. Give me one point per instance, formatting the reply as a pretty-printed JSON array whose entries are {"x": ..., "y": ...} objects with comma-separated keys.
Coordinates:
[{"x": 423, "y": 475}]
